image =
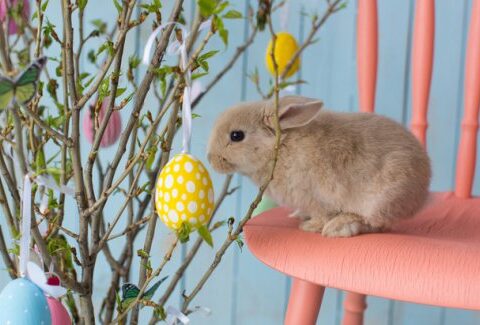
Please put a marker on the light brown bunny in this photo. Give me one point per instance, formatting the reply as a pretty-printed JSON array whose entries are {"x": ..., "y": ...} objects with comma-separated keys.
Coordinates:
[{"x": 343, "y": 173}]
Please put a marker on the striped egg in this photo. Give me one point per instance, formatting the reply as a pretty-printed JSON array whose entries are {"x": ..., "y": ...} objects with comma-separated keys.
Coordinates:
[
  {"x": 184, "y": 193},
  {"x": 114, "y": 126}
]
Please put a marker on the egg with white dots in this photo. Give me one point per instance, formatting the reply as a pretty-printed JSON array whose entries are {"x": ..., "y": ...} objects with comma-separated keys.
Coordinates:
[
  {"x": 23, "y": 302},
  {"x": 184, "y": 193}
]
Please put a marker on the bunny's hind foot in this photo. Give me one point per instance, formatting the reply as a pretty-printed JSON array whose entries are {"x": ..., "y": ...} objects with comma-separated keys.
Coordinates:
[{"x": 347, "y": 224}]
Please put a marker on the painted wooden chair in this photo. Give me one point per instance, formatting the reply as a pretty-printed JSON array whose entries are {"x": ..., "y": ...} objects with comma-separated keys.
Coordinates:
[{"x": 433, "y": 258}]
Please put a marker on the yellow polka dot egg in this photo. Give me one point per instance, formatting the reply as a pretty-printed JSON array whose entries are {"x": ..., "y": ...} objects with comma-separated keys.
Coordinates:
[{"x": 184, "y": 193}]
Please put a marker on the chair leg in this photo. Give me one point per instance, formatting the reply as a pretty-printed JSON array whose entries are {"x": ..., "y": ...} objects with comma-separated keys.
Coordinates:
[
  {"x": 304, "y": 303},
  {"x": 354, "y": 306}
]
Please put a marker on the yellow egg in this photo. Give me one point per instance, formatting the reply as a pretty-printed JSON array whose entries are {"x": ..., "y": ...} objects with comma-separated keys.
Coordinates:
[
  {"x": 184, "y": 193},
  {"x": 285, "y": 48}
]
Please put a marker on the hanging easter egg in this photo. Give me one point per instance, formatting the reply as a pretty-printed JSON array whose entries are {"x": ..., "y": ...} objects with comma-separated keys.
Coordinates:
[
  {"x": 184, "y": 193},
  {"x": 58, "y": 312},
  {"x": 285, "y": 48},
  {"x": 5, "y": 5},
  {"x": 114, "y": 126},
  {"x": 22, "y": 302}
]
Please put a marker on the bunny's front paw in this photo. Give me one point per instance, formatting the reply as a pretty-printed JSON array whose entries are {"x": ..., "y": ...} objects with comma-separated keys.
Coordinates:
[
  {"x": 314, "y": 224},
  {"x": 346, "y": 225}
]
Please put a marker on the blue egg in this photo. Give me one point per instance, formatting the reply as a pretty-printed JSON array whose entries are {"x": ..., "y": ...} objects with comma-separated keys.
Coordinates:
[{"x": 23, "y": 303}]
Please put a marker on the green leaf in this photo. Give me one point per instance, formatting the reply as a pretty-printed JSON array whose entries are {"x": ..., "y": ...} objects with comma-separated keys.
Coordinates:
[
  {"x": 239, "y": 242},
  {"x": 207, "y": 55},
  {"x": 153, "y": 7},
  {"x": 82, "y": 4},
  {"x": 104, "y": 89},
  {"x": 39, "y": 160},
  {"x": 100, "y": 25},
  {"x": 204, "y": 65},
  {"x": 221, "y": 7},
  {"x": 198, "y": 75},
  {"x": 108, "y": 45},
  {"x": 91, "y": 56},
  {"x": 118, "y": 6},
  {"x": 151, "y": 157},
  {"x": 343, "y": 5},
  {"x": 44, "y": 5},
  {"x": 207, "y": 7},
  {"x": 224, "y": 36},
  {"x": 183, "y": 233},
  {"x": 232, "y": 14},
  {"x": 142, "y": 253},
  {"x": 160, "y": 313},
  {"x": 120, "y": 91},
  {"x": 206, "y": 235},
  {"x": 133, "y": 61}
]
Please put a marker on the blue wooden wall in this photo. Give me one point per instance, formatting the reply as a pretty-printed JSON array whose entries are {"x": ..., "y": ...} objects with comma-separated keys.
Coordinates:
[{"x": 242, "y": 290}]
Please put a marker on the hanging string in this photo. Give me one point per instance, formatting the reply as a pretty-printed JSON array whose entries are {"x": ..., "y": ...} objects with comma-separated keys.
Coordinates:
[
  {"x": 26, "y": 224},
  {"x": 25, "y": 238},
  {"x": 177, "y": 48},
  {"x": 284, "y": 16}
]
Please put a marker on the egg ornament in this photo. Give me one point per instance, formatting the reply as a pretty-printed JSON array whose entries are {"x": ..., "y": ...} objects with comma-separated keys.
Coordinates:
[
  {"x": 184, "y": 193},
  {"x": 114, "y": 126},
  {"x": 285, "y": 48},
  {"x": 58, "y": 312},
  {"x": 22, "y": 302}
]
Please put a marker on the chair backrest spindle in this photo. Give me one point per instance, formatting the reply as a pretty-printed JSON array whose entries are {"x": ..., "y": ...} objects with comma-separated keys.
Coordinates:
[
  {"x": 367, "y": 52},
  {"x": 468, "y": 140},
  {"x": 422, "y": 60}
]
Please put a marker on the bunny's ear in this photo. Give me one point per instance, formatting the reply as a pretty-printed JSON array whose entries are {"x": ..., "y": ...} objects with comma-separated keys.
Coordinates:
[{"x": 295, "y": 115}]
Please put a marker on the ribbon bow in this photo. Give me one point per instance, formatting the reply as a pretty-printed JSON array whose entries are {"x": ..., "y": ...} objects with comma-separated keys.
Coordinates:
[
  {"x": 174, "y": 315},
  {"x": 177, "y": 48}
]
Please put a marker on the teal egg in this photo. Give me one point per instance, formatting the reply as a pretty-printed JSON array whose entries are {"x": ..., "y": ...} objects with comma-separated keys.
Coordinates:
[
  {"x": 23, "y": 303},
  {"x": 265, "y": 204}
]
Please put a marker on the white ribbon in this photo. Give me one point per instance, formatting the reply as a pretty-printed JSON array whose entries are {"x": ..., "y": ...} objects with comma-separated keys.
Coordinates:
[
  {"x": 284, "y": 16},
  {"x": 177, "y": 48},
  {"x": 173, "y": 314},
  {"x": 26, "y": 224},
  {"x": 49, "y": 182}
]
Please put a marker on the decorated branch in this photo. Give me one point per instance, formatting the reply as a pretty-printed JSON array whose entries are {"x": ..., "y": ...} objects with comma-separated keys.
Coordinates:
[{"x": 87, "y": 127}]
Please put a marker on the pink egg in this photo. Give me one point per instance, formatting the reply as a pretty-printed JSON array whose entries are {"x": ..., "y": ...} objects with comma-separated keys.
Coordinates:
[
  {"x": 5, "y": 5},
  {"x": 114, "y": 126},
  {"x": 58, "y": 312}
]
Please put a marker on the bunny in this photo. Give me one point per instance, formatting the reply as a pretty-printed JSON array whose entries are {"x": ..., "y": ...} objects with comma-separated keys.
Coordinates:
[{"x": 342, "y": 173}]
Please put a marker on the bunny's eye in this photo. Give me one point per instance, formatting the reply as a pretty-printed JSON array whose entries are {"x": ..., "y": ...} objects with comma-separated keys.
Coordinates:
[{"x": 237, "y": 136}]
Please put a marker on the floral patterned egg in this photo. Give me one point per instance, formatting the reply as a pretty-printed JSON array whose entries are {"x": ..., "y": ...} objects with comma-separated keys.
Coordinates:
[{"x": 184, "y": 193}]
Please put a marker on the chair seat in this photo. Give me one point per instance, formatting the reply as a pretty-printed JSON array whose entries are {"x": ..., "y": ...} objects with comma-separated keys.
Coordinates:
[{"x": 433, "y": 258}]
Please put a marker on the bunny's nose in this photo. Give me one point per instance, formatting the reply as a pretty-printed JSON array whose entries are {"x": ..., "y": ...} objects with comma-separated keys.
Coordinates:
[{"x": 209, "y": 157}]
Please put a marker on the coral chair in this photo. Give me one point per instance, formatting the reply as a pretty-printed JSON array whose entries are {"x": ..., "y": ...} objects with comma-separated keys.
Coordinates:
[{"x": 433, "y": 258}]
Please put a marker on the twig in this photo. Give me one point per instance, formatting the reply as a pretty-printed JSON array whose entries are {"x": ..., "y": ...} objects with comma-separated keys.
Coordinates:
[
  {"x": 195, "y": 247},
  {"x": 231, "y": 238},
  {"x": 166, "y": 258}
]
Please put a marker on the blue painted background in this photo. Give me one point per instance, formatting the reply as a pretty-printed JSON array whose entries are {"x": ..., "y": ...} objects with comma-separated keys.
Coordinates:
[{"x": 242, "y": 290}]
